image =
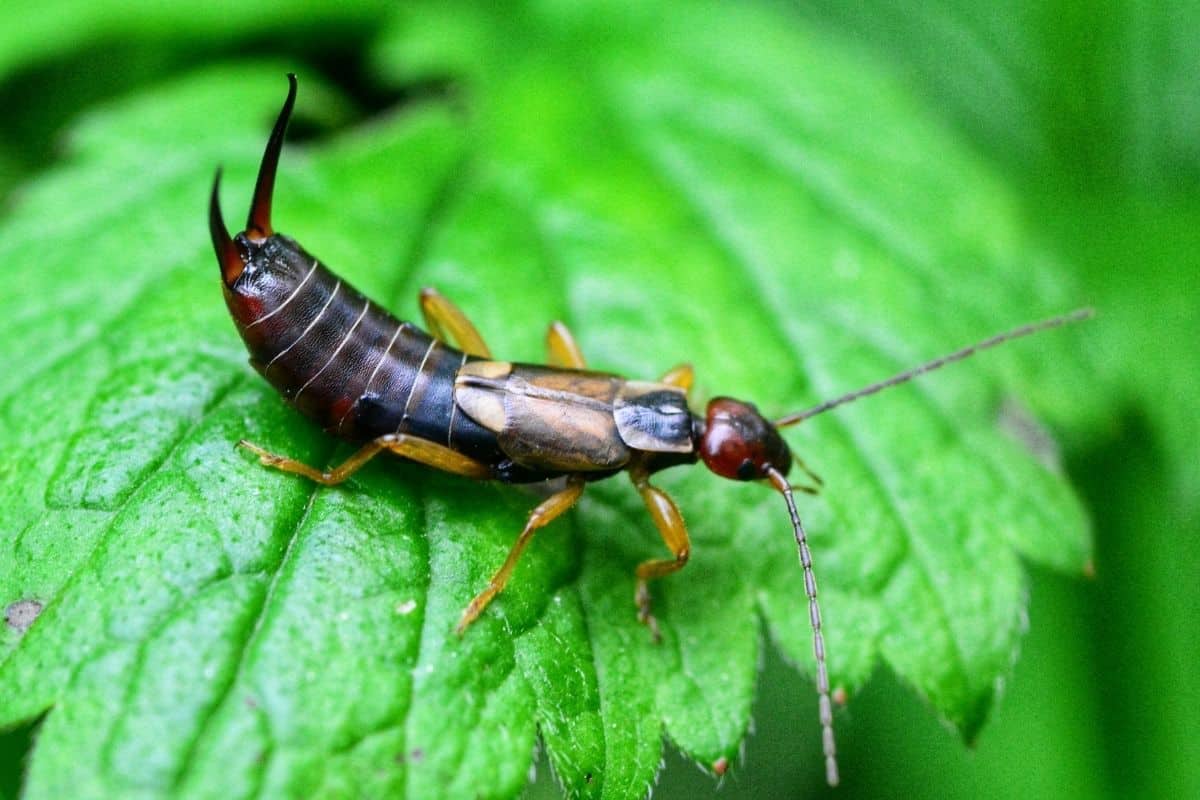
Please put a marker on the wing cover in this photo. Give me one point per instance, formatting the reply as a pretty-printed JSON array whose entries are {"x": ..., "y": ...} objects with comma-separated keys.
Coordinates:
[{"x": 545, "y": 417}]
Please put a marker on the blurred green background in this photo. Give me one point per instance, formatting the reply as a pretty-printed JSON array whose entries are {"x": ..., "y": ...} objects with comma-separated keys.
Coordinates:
[{"x": 1091, "y": 112}]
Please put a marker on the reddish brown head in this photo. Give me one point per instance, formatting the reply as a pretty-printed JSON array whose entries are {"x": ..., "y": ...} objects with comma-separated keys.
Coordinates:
[{"x": 739, "y": 444}]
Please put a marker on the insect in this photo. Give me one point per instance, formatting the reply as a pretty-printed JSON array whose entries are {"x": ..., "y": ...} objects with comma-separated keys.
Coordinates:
[{"x": 439, "y": 398}]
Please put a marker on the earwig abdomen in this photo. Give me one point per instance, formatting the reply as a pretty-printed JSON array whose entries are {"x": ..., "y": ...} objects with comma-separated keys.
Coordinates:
[{"x": 343, "y": 360}]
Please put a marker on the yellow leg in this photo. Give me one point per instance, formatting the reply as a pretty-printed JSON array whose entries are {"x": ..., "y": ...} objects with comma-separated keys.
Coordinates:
[
  {"x": 449, "y": 324},
  {"x": 546, "y": 512},
  {"x": 561, "y": 348},
  {"x": 674, "y": 533},
  {"x": 680, "y": 376},
  {"x": 410, "y": 447}
]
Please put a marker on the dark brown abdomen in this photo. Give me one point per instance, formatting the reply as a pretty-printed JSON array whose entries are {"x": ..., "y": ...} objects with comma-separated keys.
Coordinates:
[{"x": 347, "y": 363}]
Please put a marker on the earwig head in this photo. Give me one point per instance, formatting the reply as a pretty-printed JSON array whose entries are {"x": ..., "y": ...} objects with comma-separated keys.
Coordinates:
[{"x": 740, "y": 444}]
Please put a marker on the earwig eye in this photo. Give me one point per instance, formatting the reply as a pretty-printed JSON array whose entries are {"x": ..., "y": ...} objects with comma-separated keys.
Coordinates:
[{"x": 746, "y": 471}]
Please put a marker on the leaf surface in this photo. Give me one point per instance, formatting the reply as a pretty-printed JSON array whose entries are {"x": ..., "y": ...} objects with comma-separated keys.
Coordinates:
[{"x": 781, "y": 215}]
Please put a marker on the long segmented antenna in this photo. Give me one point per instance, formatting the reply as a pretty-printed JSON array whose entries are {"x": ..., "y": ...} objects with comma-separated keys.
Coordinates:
[
  {"x": 930, "y": 366},
  {"x": 825, "y": 705},
  {"x": 258, "y": 222}
]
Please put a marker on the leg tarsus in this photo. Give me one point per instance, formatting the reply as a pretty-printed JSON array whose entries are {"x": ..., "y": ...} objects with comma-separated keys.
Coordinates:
[
  {"x": 641, "y": 596},
  {"x": 325, "y": 477}
]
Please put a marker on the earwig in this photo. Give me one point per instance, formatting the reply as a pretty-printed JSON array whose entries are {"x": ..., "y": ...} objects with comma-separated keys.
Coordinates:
[{"x": 439, "y": 398}]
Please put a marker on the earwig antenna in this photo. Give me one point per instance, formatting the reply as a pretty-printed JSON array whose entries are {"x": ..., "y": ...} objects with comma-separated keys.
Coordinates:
[
  {"x": 258, "y": 223},
  {"x": 825, "y": 706},
  {"x": 930, "y": 366},
  {"x": 227, "y": 252}
]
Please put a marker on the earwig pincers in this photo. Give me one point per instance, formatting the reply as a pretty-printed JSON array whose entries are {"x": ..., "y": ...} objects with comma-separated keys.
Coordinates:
[{"x": 440, "y": 399}]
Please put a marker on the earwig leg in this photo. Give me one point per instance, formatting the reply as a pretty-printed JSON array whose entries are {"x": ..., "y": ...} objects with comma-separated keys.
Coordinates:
[
  {"x": 448, "y": 323},
  {"x": 546, "y": 512},
  {"x": 670, "y": 525},
  {"x": 435, "y": 455},
  {"x": 562, "y": 349},
  {"x": 410, "y": 447},
  {"x": 680, "y": 376}
]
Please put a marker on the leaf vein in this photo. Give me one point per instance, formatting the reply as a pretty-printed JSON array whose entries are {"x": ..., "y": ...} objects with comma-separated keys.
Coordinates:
[
  {"x": 133, "y": 494},
  {"x": 251, "y": 639}
]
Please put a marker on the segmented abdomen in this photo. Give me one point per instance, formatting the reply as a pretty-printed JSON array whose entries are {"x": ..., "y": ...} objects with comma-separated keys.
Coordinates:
[{"x": 351, "y": 366}]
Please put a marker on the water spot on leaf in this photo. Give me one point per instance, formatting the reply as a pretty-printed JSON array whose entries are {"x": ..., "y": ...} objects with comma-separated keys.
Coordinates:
[{"x": 21, "y": 614}]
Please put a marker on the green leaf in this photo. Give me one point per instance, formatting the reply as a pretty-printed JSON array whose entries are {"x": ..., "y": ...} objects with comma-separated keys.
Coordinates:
[
  {"x": 1082, "y": 94},
  {"x": 1093, "y": 107},
  {"x": 35, "y": 33},
  {"x": 722, "y": 186}
]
